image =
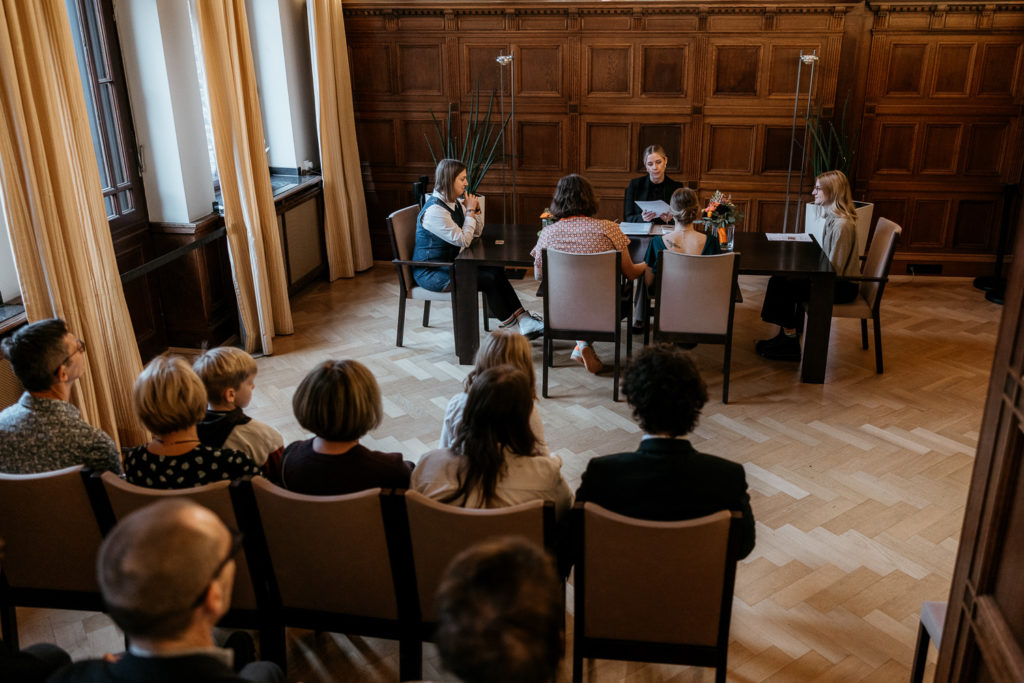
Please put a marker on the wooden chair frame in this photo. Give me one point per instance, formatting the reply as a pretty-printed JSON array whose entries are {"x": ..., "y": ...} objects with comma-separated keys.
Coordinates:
[
  {"x": 660, "y": 335},
  {"x": 623, "y": 308},
  {"x": 645, "y": 651}
]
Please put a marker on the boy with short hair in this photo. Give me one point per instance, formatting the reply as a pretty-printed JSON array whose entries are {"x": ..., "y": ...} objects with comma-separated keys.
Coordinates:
[{"x": 230, "y": 377}]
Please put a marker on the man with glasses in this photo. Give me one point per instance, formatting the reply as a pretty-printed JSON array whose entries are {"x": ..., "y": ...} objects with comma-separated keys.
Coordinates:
[
  {"x": 166, "y": 573},
  {"x": 42, "y": 431}
]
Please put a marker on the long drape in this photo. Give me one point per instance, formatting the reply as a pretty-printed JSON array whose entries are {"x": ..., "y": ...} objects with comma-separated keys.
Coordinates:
[
  {"x": 54, "y": 208},
  {"x": 254, "y": 243},
  {"x": 346, "y": 228}
]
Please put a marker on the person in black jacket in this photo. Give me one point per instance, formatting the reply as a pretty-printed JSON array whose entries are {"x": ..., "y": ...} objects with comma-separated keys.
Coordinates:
[
  {"x": 166, "y": 573},
  {"x": 651, "y": 187},
  {"x": 666, "y": 479}
]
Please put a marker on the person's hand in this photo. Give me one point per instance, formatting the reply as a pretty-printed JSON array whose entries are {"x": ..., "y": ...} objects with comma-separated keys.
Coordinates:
[
  {"x": 667, "y": 217},
  {"x": 470, "y": 203},
  {"x": 649, "y": 216},
  {"x": 111, "y": 658}
]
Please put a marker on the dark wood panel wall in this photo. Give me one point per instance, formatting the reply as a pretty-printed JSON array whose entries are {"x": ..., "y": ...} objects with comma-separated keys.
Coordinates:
[{"x": 936, "y": 89}]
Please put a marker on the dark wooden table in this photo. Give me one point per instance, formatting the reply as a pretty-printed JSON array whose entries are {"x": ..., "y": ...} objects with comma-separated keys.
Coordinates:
[
  {"x": 510, "y": 245},
  {"x": 498, "y": 245}
]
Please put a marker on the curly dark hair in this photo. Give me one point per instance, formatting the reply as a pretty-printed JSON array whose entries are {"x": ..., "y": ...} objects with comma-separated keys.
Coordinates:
[
  {"x": 574, "y": 196},
  {"x": 665, "y": 390}
]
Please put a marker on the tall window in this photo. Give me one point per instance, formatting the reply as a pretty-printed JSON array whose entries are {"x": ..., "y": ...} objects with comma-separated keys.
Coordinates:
[{"x": 106, "y": 98}]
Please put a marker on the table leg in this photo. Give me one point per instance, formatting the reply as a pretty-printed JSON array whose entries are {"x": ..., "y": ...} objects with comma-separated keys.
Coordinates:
[
  {"x": 466, "y": 315},
  {"x": 818, "y": 329}
]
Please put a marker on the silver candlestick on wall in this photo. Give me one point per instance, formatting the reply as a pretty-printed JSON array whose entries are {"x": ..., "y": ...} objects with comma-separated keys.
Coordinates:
[
  {"x": 508, "y": 61},
  {"x": 811, "y": 60}
]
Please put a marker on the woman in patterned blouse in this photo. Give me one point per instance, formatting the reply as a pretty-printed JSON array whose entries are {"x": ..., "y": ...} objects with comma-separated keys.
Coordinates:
[
  {"x": 578, "y": 232},
  {"x": 170, "y": 399}
]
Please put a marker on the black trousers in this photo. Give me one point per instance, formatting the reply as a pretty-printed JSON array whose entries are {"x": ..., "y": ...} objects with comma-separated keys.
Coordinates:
[
  {"x": 785, "y": 296},
  {"x": 501, "y": 296}
]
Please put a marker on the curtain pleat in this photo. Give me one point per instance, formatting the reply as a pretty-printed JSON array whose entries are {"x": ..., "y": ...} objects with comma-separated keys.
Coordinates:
[
  {"x": 254, "y": 243},
  {"x": 55, "y": 212},
  {"x": 346, "y": 227}
]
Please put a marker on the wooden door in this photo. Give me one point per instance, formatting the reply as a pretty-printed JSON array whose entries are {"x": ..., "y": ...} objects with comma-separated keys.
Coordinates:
[{"x": 984, "y": 631}]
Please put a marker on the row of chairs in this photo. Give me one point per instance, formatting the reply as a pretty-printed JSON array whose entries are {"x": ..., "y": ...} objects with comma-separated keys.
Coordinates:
[{"x": 370, "y": 563}]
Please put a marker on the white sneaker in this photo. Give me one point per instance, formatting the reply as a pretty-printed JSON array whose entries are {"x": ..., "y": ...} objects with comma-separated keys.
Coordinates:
[{"x": 530, "y": 325}]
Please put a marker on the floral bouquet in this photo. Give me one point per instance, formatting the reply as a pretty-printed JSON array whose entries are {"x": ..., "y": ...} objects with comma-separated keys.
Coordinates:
[
  {"x": 721, "y": 214},
  {"x": 546, "y": 218},
  {"x": 720, "y": 211}
]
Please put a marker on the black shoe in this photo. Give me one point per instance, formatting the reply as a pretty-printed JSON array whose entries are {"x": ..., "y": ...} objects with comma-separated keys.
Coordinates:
[
  {"x": 765, "y": 345},
  {"x": 788, "y": 350}
]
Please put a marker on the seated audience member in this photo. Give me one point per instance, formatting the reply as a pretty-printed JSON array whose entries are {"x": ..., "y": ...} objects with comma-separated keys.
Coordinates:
[
  {"x": 42, "y": 431},
  {"x": 339, "y": 401},
  {"x": 493, "y": 461},
  {"x": 230, "y": 378},
  {"x": 666, "y": 479},
  {"x": 170, "y": 400},
  {"x": 448, "y": 223},
  {"x": 166, "y": 573},
  {"x": 502, "y": 347},
  {"x": 578, "y": 232},
  {"x": 500, "y": 614}
]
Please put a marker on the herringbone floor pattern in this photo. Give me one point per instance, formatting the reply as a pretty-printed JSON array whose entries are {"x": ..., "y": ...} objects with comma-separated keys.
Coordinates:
[{"x": 858, "y": 485}]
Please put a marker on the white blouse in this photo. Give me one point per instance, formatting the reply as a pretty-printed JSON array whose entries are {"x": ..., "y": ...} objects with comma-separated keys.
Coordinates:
[{"x": 439, "y": 222}]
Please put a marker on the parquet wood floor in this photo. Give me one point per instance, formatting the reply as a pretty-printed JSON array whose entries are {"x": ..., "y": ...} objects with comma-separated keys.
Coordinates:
[{"x": 858, "y": 485}]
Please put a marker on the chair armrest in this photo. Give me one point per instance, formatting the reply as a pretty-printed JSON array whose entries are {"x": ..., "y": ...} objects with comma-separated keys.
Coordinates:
[{"x": 425, "y": 264}]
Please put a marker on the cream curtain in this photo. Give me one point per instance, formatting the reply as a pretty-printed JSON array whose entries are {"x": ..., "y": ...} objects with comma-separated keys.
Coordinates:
[
  {"x": 345, "y": 224},
  {"x": 254, "y": 243},
  {"x": 55, "y": 212}
]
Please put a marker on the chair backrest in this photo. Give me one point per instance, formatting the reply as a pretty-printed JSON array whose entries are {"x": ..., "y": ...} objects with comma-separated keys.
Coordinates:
[
  {"x": 879, "y": 259},
  {"x": 582, "y": 290},
  {"x": 50, "y": 532},
  {"x": 439, "y": 532},
  {"x": 327, "y": 553},
  {"x": 402, "y": 230},
  {"x": 668, "y": 582},
  {"x": 125, "y": 498},
  {"x": 695, "y": 294}
]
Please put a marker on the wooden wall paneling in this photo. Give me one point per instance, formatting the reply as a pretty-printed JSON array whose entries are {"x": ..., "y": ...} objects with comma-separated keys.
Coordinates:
[
  {"x": 999, "y": 69},
  {"x": 986, "y": 149},
  {"x": 972, "y": 225},
  {"x": 665, "y": 66},
  {"x": 541, "y": 71},
  {"x": 731, "y": 148},
  {"x": 607, "y": 69},
  {"x": 541, "y": 144},
  {"x": 939, "y": 149},
  {"x": 372, "y": 69},
  {"x": 954, "y": 67},
  {"x": 377, "y": 141},
  {"x": 928, "y": 224},
  {"x": 478, "y": 68},
  {"x": 420, "y": 69},
  {"x": 605, "y": 145},
  {"x": 131, "y": 248}
]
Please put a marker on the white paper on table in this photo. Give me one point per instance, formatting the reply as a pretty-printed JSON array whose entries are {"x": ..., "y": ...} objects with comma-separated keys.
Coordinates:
[
  {"x": 657, "y": 206},
  {"x": 635, "y": 228},
  {"x": 788, "y": 237}
]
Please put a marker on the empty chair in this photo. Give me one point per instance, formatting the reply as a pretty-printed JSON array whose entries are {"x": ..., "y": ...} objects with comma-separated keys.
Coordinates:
[
  {"x": 402, "y": 231},
  {"x": 874, "y": 275},
  {"x": 653, "y": 591},
  {"x": 124, "y": 498},
  {"x": 696, "y": 302},
  {"x": 52, "y": 540},
  {"x": 328, "y": 565},
  {"x": 584, "y": 299},
  {"x": 438, "y": 532}
]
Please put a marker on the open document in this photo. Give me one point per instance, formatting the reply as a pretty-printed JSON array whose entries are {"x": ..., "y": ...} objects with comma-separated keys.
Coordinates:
[
  {"x": 788, "y": 237},
  {"x": 635, "y": 228},
  {"x": 659, "y": 207}
]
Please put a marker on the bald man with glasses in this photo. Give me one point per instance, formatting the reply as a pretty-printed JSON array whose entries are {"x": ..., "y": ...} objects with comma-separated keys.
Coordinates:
[
  {"x": 166, "y": 573},
  {"x": 43, "y": 431}
]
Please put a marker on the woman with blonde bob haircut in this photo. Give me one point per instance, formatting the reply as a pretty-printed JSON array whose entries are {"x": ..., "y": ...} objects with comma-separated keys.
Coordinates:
[
  {"x": 170, "y": 399},
  {"x": 339, "y": 401},
  {"x": 501, "y": 347},
  {"x": 784, "y": 296}
]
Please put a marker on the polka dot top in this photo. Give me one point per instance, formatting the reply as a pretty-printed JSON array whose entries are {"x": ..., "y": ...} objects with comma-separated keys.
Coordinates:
[{"x": 201, "y": 465}]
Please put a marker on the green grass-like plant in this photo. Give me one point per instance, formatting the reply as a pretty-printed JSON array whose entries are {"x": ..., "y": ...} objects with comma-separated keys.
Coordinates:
[
  {"x": 479, "y": 149},
  {"x": 833, "y": 147}
]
